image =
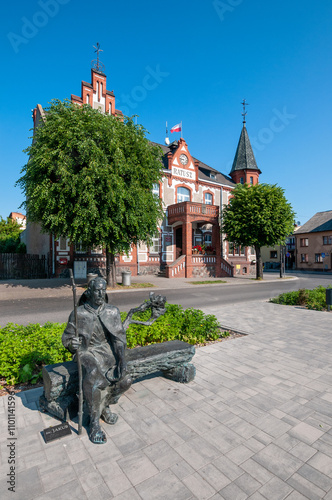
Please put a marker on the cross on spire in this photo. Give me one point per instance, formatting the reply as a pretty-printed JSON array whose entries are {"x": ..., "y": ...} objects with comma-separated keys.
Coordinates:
[
  {"x": 96, "y": 64},
  {"x": 244, "y": 104}
]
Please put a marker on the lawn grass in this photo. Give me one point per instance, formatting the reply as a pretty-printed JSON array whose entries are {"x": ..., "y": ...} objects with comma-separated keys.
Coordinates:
[
  {"x": 120, "y": 286},
  {"x": 206, "y": 282}
]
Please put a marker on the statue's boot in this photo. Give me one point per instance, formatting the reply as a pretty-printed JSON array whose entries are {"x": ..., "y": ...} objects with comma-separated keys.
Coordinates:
[
  {"x": 96, "y": 433},
  {"x": 109, "y": 417}
]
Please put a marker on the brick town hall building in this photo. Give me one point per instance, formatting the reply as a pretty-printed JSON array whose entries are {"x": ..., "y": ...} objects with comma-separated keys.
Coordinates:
[{"x": 193, "y": 195}]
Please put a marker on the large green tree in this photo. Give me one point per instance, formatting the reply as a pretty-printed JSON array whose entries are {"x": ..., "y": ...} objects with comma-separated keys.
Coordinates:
[
  {"x": 89, "y": 177},
  {"x": 258, "y": 216},
  {"x": 10, "y": 232}
]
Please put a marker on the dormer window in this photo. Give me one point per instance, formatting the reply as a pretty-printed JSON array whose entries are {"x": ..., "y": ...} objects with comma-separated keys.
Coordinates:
[{"x": 212, "y": 176}]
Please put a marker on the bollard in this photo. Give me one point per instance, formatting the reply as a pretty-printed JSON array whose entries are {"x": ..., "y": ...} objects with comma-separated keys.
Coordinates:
[
  {"x": 91, "y": 277},
  {"x": 328, "y": 298}
]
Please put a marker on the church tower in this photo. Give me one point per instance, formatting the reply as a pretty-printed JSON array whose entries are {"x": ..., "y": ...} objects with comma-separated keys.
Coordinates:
[
  {"x": 96, "y": 93},
  {"x": 244, "y": 169}
]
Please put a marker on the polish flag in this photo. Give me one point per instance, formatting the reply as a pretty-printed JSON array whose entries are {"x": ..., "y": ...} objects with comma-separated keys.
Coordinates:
[{"x": 176, "y": 128}]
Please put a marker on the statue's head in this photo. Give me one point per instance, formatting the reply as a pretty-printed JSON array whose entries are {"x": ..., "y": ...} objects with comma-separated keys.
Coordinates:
[{"x": 96, "y": 292}]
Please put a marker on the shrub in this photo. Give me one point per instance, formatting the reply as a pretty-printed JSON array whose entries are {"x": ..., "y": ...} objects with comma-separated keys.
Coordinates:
[
  {"x": 25, "y": 349},
  {"x": 312, "y": 299},
  {"x": 190, "y": 325}
]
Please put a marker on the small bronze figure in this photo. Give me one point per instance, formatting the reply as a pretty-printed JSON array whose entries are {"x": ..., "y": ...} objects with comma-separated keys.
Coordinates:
[{"x": 97, "y": 336}]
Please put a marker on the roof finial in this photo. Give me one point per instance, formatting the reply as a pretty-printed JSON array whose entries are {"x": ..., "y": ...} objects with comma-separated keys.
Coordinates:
[
  {"x": 96, "y": 64},
  {"x": 244, "y": 104}
]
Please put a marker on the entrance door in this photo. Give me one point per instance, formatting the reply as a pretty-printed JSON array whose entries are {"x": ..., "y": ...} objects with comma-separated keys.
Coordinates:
[{"x": 178, "y": 242}]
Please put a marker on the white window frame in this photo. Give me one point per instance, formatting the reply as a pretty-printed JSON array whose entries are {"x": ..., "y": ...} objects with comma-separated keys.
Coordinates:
[
  {"x": 208, "y": 199},
  {"x": 155, "y": 247},
  {"x": 181, "y": 196},
  {"x": 60, "y": 241}
]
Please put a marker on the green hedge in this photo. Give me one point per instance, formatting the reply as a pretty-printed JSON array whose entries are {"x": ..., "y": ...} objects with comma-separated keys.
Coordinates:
[
  {"x": 25, "y": 349},
  {"x": 190, "y": 325},
  {"x": 312, "y": 299}
]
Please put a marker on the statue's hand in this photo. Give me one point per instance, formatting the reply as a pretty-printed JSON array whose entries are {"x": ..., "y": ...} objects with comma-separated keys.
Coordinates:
[
  {"x": 157, "y": 305},
  {"x": 122, "y": 368},
  {"x": 76, "y": 342}
]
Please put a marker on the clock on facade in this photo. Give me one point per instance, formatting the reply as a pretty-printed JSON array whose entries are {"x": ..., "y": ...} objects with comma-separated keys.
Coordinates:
[{"x": 183, "y": 159}]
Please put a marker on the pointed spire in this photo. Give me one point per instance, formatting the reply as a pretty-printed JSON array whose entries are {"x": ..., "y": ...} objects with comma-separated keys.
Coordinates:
[{"x": 244, "y": 157}]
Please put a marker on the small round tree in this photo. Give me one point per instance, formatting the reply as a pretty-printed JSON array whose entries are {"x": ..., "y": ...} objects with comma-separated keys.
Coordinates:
[
  {"x": 89, "y": 178},
  {"x": 257, "y": 216},
  {"x": 10, "y": 231}
]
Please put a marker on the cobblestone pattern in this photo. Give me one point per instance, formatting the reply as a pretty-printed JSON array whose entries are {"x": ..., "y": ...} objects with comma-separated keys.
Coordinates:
[{"x": 256, "y": 423}]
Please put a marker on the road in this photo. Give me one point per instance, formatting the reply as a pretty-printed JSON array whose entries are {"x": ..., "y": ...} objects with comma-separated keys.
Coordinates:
[{"x": 57, "y": 309}]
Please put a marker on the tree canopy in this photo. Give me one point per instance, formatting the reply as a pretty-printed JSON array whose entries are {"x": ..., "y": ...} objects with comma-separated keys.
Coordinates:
[
  {"x": 10, "y": 232},
  {"x": 258, "y": 216},
  {"x": 90, "y": 176}
]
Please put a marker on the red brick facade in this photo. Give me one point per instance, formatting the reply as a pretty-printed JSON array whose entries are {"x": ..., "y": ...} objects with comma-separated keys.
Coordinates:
[{"x": 193, "y": 195}]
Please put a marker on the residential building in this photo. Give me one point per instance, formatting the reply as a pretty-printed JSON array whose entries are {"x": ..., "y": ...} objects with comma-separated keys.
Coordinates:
[
  {"x": 19, "y": 218},
  {"x": 193, "y": 195},
  {"x": 314, "y": 243},
  {"x": 271, "y": 255}
]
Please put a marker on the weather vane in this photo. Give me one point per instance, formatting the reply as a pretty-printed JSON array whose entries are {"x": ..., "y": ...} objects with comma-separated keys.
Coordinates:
[
  {"x": 96, "y": 64},
  {"x": 244, "y": 104}
]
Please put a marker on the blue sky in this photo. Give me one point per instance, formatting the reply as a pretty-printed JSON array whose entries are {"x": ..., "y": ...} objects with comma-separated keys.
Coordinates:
[{"x": 203, "y": 58}]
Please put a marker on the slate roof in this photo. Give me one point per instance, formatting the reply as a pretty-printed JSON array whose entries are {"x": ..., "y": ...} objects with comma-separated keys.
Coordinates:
[
  {"x": 204, "y": 171},
  {"x": 321, "y": 221},
  {"x": 244, "y": 156}
]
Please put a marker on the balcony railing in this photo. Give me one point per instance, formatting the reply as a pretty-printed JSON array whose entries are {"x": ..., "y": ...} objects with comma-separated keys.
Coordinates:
[{"x": 193, "y": 209}]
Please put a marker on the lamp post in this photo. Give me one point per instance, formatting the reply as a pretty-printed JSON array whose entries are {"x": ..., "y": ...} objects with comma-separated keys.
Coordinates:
[{"x": 282, "y": 260}]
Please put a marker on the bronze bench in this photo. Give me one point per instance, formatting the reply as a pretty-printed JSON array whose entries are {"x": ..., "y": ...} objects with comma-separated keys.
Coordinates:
[{"x": 171, "y": 358}]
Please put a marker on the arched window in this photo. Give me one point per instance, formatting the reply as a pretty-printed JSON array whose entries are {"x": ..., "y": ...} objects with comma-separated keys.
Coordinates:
[
  {"x": 155, "y": 190},
  {"x": 183, "y": 194},
  {"x": 208, "y": 199}
]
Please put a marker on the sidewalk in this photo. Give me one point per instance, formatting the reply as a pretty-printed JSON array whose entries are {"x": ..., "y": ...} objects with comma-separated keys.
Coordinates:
[
  {"x": 23, "y": 289},
  {"x": 256, "y": 423}
]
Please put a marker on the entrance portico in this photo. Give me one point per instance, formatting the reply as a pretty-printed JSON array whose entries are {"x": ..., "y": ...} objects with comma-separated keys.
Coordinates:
[{"x": 190, "y": 221}]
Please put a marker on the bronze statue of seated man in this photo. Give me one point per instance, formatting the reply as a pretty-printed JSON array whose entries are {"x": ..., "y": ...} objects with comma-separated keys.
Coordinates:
[{"x": 99, "y": 339}]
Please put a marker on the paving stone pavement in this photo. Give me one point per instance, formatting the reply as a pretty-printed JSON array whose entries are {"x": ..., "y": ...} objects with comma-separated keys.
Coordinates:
[{"x": 256, "y": 423}]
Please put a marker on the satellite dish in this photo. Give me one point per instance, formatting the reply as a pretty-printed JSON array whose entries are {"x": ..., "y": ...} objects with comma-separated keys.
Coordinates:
[
  {"x": 167, "y": 141},
  {"x": 298, "y": 223}
]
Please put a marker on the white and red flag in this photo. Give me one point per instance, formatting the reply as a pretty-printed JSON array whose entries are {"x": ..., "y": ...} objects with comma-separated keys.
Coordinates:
[{"x": 177, "y": 128}]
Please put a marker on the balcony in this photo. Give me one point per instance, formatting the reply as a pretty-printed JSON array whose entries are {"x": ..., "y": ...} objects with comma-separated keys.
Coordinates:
[{"x": 190, "y": 211}]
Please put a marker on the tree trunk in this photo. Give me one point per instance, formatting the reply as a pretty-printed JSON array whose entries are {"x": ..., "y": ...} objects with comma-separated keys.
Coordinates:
[
  {"x": 259, "y": 263},
  {"x": 110, "y": 269}
]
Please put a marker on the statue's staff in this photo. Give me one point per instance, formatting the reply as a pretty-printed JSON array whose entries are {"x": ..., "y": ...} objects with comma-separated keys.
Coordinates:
[{"x": 78, "y": 359}]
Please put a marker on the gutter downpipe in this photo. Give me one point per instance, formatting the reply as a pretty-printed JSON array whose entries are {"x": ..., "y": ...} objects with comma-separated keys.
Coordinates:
[{"x": 53, "y": 256}]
